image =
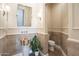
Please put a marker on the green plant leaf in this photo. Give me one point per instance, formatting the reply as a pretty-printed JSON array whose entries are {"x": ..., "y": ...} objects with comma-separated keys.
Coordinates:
[{"x": 35, "y": 44}]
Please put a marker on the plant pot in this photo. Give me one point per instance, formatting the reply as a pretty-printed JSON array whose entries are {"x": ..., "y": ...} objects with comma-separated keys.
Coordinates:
[{"x": 36, "y": 53}]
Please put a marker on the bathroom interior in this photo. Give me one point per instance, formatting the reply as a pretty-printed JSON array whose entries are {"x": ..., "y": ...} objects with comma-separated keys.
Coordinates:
[{"x": 55, "y": 24}]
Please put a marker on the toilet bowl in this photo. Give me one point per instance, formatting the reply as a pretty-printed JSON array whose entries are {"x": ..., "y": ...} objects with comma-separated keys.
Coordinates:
[
  {"x": 51, "y": 45},
  {"x": 51, "y": 42}
]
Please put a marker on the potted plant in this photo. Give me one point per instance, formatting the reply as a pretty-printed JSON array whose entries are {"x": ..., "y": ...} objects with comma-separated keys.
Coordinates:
[{"x": 35, "y": 45}]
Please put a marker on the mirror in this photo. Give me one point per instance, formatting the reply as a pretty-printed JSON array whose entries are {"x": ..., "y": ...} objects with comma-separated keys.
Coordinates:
[{"x": 24, "y": 16}]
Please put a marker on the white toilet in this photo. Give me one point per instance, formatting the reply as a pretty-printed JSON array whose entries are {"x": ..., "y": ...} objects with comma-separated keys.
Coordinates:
[{"x": 51, "y": 45}]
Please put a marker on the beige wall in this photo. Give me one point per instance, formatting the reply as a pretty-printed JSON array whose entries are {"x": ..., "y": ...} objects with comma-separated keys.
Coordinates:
[
  {"x": 2, "y": 23},
  {"x": 37, "y": 8},
  {"x": 12, "y": 19},
  {"x": 43, "y": 38},
  {"x": 60, "y": 17},
  {"x": 74, "y": 28},
  {"x": 57, "y": 17},
  {"x": 37, "y": 22},
  {"x": 35, "y": 11}
]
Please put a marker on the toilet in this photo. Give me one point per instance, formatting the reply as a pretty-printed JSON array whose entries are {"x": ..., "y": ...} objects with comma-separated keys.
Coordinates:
[{"x": 51, "y": 45}]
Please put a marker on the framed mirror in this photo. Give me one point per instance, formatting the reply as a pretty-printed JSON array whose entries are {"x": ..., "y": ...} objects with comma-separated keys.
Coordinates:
[{"x": 24, "y": 16}]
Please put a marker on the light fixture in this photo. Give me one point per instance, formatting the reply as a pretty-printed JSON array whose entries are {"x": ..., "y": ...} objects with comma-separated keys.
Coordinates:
[
  {"x": 5, "y": 9},
  {"x": 40, "y": 14}
]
